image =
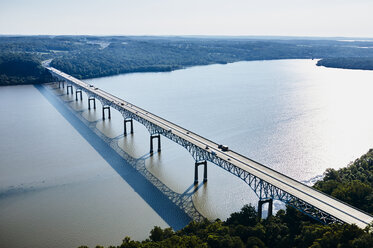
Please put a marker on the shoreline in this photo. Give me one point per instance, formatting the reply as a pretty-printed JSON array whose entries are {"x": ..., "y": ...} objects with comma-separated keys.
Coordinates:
[
  {"x": 188, "y": 67},
  {"x": 359, "y": 63}
]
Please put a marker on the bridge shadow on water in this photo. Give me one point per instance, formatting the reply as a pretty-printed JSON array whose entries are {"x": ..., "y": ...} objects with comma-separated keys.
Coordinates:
[{"x": 177, "y": 210}]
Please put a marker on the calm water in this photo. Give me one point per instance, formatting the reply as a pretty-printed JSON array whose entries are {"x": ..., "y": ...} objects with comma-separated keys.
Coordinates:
[
  {"x": 290, "y": 115},
  {"x": 57, "y": 190}
]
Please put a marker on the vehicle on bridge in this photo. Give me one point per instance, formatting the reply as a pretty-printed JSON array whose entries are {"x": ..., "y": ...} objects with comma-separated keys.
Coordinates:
[
  {"x": 266, "y": 183},
  {"x": 224, "y": 148}
]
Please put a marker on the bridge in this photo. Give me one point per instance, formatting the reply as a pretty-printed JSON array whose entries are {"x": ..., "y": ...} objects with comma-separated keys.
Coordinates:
[{"x": 267, "y": 183}]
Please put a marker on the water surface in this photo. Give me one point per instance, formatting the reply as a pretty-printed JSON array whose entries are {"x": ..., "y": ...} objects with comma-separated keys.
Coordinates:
[
  {"x": 56, "y": 190},
  {"x": 291, "y": 115},
  {"x": 288, "y": 114}
]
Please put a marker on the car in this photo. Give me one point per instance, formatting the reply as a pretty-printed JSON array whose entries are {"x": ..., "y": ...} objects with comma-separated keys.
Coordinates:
[
  {"x": 207, "y": 147},
  {"x": 91, "y": 85},
  {"x": 224, "y": 148},
  {"x": 213, "y": 153}
]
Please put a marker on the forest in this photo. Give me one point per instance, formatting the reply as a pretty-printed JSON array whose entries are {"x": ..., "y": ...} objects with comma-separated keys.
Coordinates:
[
  {"x": 357, "y": 63},
  {"x": 97, "y": 56},
  {"x": 288, "y": 228},
  {"x": 21, "y": 69}
]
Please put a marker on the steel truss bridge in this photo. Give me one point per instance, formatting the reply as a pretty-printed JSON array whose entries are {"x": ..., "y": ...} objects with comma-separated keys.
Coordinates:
[{"x": 267, "y": 183}]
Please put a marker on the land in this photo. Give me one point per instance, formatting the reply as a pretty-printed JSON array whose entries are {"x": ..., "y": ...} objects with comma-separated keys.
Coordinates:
[
  {"x": 348, "y": 63},
  {"x": 288, "y": 228},
  {"x": 97, "y": 56},
  {"x": 20, "y": 68}
]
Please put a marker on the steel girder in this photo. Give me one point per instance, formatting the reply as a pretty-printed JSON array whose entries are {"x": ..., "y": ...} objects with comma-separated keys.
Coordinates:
[{"x": 262, "y": 189}]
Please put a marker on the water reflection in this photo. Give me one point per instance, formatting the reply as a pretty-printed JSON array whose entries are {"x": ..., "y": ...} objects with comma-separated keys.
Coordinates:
[
  {"x": 173, "y": 168},
  {"x": 108, "y": 131},
  {"x": 290, "y": 115}
]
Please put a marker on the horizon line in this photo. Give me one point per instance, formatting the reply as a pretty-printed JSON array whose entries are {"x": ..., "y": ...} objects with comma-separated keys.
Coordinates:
[{"x": 195, "y": 36}]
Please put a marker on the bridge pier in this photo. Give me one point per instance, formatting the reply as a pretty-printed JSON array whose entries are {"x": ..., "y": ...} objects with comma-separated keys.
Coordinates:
[
  {"x": 267, "y": 185},
  {"x": 204, "y": 163},
  {"x": 59, "y": 84},
  {"x": 91, "y": 98},
  {"x": 67, "y": 89},
  {"x": 155, "y": 136},
  {"x": 260, "y": 207},
  {"x": 125, "y": 125},
  {"x": 76, "y": 95},
  {"x": 103, "y": 112}
]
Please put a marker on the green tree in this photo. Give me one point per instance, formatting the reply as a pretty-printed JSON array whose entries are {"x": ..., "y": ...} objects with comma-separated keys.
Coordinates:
[{"x": 247, "y": 217}]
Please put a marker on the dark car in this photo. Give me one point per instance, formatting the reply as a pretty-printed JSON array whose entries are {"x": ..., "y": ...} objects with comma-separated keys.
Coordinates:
[{"x": 223, "y": 148}]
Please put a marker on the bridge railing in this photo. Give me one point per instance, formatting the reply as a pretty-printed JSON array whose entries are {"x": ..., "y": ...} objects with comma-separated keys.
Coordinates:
[{"x": 204, "y": 149}]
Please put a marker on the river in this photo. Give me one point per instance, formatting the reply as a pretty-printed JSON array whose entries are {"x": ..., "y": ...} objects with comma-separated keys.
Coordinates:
[{"x": 58, "y": 186}]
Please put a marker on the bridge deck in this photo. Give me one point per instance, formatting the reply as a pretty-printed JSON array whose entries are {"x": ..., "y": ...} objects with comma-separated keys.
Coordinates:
[{"x": 332, "y": 206}]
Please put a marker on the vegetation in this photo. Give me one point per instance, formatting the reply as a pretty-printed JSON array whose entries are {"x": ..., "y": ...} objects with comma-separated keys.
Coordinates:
[
  {"x": 352, "y": 184},
  {"x": 18, "y": 68},
  {"x": 129, "y": 54},
  {"x": 347, "y": 63},
  {"x": 90, "y": 56},
  {"x": 288, "y": 228}
]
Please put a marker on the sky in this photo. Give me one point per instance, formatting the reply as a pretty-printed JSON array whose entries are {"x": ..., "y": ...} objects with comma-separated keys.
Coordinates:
[{"x": 327, "y": 18}]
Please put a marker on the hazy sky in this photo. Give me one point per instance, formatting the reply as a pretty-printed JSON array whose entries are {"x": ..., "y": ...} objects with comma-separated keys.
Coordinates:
[{"x": 188, "y": 17}]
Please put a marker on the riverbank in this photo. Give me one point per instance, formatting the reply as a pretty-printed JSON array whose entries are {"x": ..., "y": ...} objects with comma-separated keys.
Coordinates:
[
  {"x": 288, "y": 228},
  {"x": 98, "y": 56},
  {"x": 347, "y": 63}
]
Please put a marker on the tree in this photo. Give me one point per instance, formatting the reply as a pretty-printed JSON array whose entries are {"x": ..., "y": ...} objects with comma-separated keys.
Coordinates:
[{"x": 247, "y": 217}]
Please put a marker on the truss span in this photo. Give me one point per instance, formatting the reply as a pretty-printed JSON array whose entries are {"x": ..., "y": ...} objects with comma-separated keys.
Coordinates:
[{"x": 266, "y": 182}]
